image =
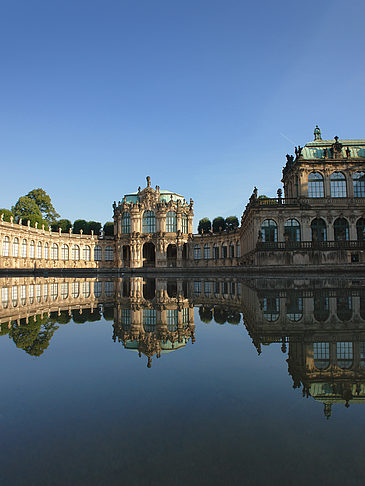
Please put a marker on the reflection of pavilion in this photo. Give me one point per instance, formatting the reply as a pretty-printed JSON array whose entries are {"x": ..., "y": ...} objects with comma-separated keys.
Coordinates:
[
  {"x": 323, "y": 325},
  {"x": 153, "y": 316}
]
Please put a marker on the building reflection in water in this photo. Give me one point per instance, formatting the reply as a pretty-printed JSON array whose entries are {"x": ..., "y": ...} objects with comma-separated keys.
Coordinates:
[{"x": 319, "y": 323}]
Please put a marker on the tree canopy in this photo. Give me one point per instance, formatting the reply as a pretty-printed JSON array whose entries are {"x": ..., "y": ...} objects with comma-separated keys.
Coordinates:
[
  {"x": 219, "y": 224},
  {"x": 231, "y": 223},
  {"x": 27, "y": 210},
  {"x": 109, "y": 228},
  {"x": 7, "y": 214},
  {"x": 43, "y": 201},
  {"x": 204, "y": 226},
  {"x": 64, "y": 224}
]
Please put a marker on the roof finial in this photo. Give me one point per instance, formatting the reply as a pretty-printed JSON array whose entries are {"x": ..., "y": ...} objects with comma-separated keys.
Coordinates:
[
  {"x": 317, "y": 133},
  {"x": 148, "y": 178}
]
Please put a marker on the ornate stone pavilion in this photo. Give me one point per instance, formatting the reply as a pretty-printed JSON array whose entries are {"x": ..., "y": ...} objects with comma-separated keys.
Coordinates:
[
  {"x": 152, "y": 228},
  {"x": 321, "y": 218}
]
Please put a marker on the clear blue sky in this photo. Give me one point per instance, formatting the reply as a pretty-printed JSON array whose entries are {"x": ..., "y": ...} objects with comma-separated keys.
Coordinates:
[{"x": 204, "y": 96}]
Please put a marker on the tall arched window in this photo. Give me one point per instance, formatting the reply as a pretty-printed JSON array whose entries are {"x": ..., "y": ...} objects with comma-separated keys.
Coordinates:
[
  {"x": 31, "y": 249},
  {"x": 321, "y": 355},
  {"x": 6, "y": 245},
  {"x": 292, "y": 230},
  {"x": 39, "y": 250},
  {"x": 184, "y": 223},
  {"x": 269, "y": 231},
  {"x": 75, "y": 252},
  {"x": 224, "y": 252},
  {"x": 24, "y": 249},
  {"x": 86, "y": 289},
  {"x": 64, "y": 252},
  {"x": 338, "y": 185},
  {"x": 46, "y": 255},
  {"x": 86, "y": 254},
  {"x": 197, "y": 252},
  {"x": 15, "y": 247},
  {"x": 64, "y": 290},
  {"x": 126, "y": 223},
  {"x": 231, "y": 250},
  {"x": 149, "y": 222},
  {"x": 97, "y": 253},
  {"x": 238, "y": 249},
  {"x": 271, "y": 308},
  {"x": 360, "y": 229},
  {"x": 341, "y": 229},
  {"x": 75, "y": 289},
  {"x": 171, "y": 222},
  {"x": 315, "y": 185},
  {"x": 109, "y": 255},
  {"x": 206, "y": 251},
  {"x": 359, "y": 184},
  {"x": 215, "y": 251},
  {"x": 344, "y": 354},
  {"x": 319, "y": 230},
  {"x": 54, "y": 252}
]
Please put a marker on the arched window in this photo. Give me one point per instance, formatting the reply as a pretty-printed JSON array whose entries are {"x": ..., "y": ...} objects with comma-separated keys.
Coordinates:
[
  {"x": 54, "y": 288},
  {"x": 197, "y": 252},
  {"x": 171, "y": 222},
  {"x": 344, "y": 307},
  {"x": 75, "y": 289},
  {"x": 14, "y": 295},
  {"x": 344, "y": 354},
  {"x": 231, "y": 250},
  {"x": 15, "y": 247},
  {"x": 184, "y": 223},
  {"x": 86, "y": 289},
  {"x": 321, "y": 311},
  {"x": 224, "y": 251},
  {"x": 359, "y": 184},
  {"x": 149, "y": 320},
  {"x": 23, "y": 299},
  {"x": 39, "y": 250},
  {"x": 64, "y": 290},
  {"x": 269, "y": 231},
  {"x": 5, "y": 297},
  {"x": 46, "y": 251},
  {"x": 294, "y": 306},
  {"x": 149, "y": 222},
  {"x": 97, "y": 289},
  {"x": 321, "y": 355},
  {"x": 338, "y": 185},
  {"x": 31, "y": 249},
  {"x": 54, "y": 252},
  {"x": 319, "y": 230},
  {"x": 360, "y": 229},
  {"x": 24, "y": 249},
  {"x": 31, "y": 293},
  {"x": 341, "y": 229},
  {"x": 86, "y": 254},
  {"x": 315, "y": 185},
  {"x": 292, "y": 230},
  {"x": 6, "y": 245},
  {"x": 64, "y": 252},
  {"x": 238, "y": 249},
  {"x": 126, "y": 223},
  {"x": 206, "y": 251},
  {"x": 271, "y": 308},
  {"x": 215, "y": 251},
  {"x": 109, "y": 255},
  {"x": 97, "y": 253},
  {"x": 75, "y": 252}
]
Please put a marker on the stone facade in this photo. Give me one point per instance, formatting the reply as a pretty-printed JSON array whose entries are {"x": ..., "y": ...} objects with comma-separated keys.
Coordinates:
[{"x": 321, "y": 218}]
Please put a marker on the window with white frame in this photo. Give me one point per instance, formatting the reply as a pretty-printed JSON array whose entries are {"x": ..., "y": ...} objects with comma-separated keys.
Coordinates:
[
  {"x": 97, "y": 289},
  {"x": 87, "y": 253},
  {"x": 149, "y": 222},
  {"x": 75, "y": 252},
  {"x": 15, "y": 247},
  {"x": 31, "y": 249},
  {"x": 184, "y": 223},
  {"x": 75, "y": 290},
  {"x": 86, "y": 289},
  {"x": 54, "y": 291},
  {"x": 359, "y": 184},
  {"x": 126, "y": 223},
  {"x": 31, "y": 293},
  {"x": 315, "y": 185},
  {"x": 109, "y": 254},
  {"x": 54, "y": 252},
  {"x": 5, "y": 297},
  {"x": 206, "y": 252},
  {"x": 171, "y": 222},
  {"x": 6, "y": 244},
  {"x": 39, "y": 249},
  {"x": 97, "y": 253},
  {"x": 23, "y": 294},
  {"x": 64, "y": 290},
  {"x": 109, "y": 289},
  {"x": 24, "y": 249},
  {"x": 14, "y": 295},
  {"x": 64, "y": 252},
  {"x": 338, "y": 184},
  {"x": 46, "y": 251},
  {"x": 197, "y": 252}
]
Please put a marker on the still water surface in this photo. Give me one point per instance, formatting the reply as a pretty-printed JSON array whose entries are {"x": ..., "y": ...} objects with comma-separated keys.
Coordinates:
[{"x": 170, "y": 382}]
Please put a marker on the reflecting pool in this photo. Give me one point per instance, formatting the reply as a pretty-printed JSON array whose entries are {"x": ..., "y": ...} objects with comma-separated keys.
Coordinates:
[{"x": 200, "y": 381}]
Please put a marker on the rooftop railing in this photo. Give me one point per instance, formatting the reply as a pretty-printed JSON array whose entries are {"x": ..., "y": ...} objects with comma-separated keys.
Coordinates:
[{"x": 310, "y": 245}]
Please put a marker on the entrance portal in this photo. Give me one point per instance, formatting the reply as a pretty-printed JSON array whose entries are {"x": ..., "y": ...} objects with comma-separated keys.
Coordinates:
[
  {"x": 149, "y": 255},
  {"x": 171, "y": 255}
]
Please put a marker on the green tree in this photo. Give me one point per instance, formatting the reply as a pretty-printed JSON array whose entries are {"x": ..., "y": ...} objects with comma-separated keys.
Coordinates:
[
  {"x": 34, "y": 337},
  {"x": 220, "y": 315},
  {"x": 43, "y": 201},
  {"x": 108, "y": 312},
  {"x": 219, "y": 224},
  {"x": 7, "y": 214},
  {"x": 109, "y": 228},
  {"x": 262, "y": 197},
  {"x": 205, "y": 314},
  {"x": 64, "y": 224},
  {"x": 93, "y": 226},
  {"x": 205, "y": 225},
  {"x": 80, "y": 224},
  {"x": 27, "y": 210},
  {"x": 232, "y": 223}
]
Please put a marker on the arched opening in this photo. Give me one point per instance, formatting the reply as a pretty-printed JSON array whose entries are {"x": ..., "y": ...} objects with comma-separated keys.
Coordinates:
[
  {"x": 171, "y": 255},
  {"x": 149, "y": 288},
  {"x": 321, "y": 310},
  {"x": 360, "y": 229},
  {"x": 341, "y": 229},
  {"x": 338, "y": 185},
  {"x": 315, "y": 185},
  {"x": 149, "y": 255},
  {"x": 359, "y": 184},
  {"x": 292, "y": 230},
  {"x": 126, "y": 255},
  {"x": 319, "y": 230},
  {"x": 172, "y": 288},
  {"x": 269, "y": 231}
]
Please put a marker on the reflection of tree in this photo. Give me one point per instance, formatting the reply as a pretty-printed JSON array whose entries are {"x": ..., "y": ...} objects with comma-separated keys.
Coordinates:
[
  {"x": 205, "y": 314},
  {"x": 234, "y": 317},
  {"x": 34, "y": 336},
  {"x": 62, "y": 318},
  {"x": 86, "y": 316},
  {"x": 108, "y": 313},
  {"x": 220, "y": 315}
]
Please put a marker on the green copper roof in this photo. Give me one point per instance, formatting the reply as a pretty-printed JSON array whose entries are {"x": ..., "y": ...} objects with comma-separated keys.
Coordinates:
[{"x": 165, "y": 195}]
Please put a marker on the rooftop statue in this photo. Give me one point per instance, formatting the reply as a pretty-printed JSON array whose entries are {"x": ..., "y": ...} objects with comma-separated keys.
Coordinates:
[{"x": 317, "y": 133}]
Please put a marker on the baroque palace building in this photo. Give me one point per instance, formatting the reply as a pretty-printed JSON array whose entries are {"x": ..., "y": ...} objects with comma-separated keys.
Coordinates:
[{"x": 320, "y": 219}]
